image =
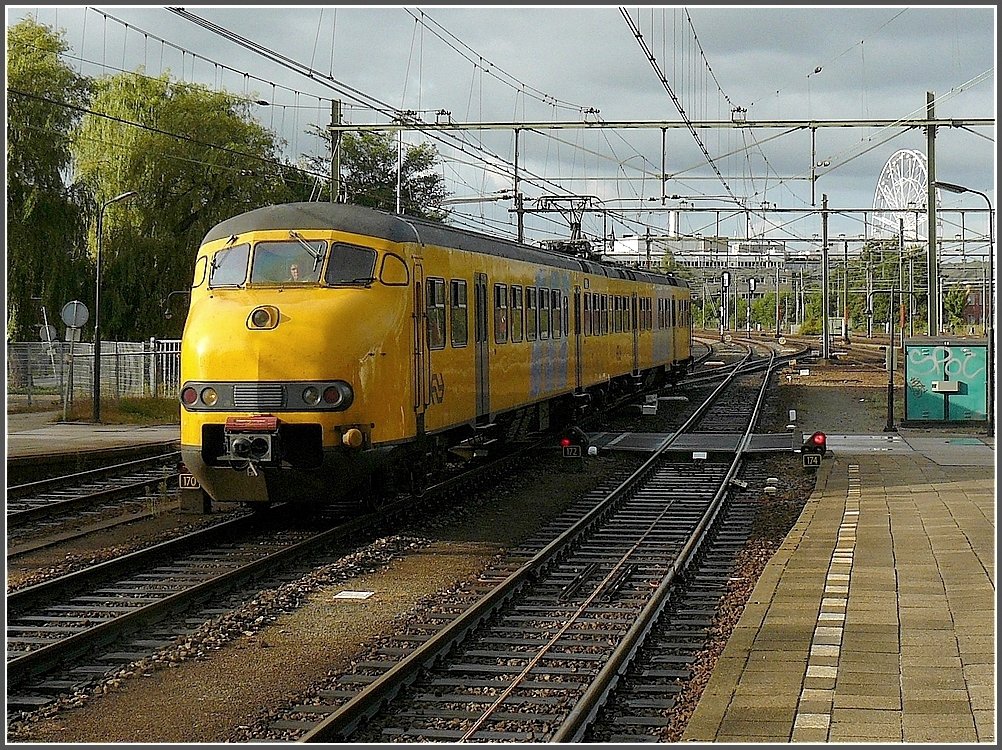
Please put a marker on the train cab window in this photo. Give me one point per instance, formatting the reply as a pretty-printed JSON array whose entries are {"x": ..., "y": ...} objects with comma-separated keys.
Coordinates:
[
  {"x": 587, "y": 314},
  {"x": 555, "y": 311},
  {"x": 544, "y": 314},
  {"x": 515, "y": 313},
  {"x": 530, "y": 313},
  {"x": 288, "y": 262},
  {"x": 500, "y": 313},
  {"x": 350, "y": 265},
  {"x": 229, "y": 266},
  {"x": 459, "y": 313},
  {"x": 435, "y": 311}
]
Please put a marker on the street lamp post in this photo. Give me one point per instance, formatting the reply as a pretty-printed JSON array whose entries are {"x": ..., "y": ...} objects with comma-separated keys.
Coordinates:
[
  {"x": 97, "y": 303},
  {"x": 990, "y": 302}
]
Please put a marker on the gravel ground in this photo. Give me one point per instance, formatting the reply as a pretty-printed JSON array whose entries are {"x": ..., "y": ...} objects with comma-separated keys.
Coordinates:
[{"x": 224, "y": 683}]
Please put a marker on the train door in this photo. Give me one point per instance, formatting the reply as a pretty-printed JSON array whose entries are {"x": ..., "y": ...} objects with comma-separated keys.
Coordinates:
[
  {"x": 577, "y": 338},
  {"x": 480, "y": 338},
  {"x": 636, "y": 335},
  {"x": 421, "y": 361}
]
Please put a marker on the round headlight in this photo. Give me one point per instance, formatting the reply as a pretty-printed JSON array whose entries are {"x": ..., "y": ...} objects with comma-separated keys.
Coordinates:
[
  {"x": 189, "y": 396},
  {"x": 260, "y": 318},
  {"x": 311, "y": 395},
  {"x": 209, "y": 396}
]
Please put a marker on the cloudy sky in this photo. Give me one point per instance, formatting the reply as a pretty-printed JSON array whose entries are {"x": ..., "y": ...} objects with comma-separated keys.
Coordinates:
[{"x": 512, "y": 64}]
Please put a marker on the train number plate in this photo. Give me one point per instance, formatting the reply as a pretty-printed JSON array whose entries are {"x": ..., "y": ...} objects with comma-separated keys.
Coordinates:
[
  {"x": 187, "y": 482},
  {"x": 812, "y": 460},
  {"x": 572, "y": 451}
]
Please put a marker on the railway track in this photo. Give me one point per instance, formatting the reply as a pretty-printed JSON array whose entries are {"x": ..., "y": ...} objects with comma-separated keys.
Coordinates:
[
  {"x": 55, "y": 499},
  {"x": 535, "y": 658},
  {"x": 60, "y": 632}
]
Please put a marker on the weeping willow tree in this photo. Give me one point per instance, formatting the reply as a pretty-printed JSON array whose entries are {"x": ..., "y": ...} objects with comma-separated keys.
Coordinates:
[
  {"x": 46, "y": 212},
  {"x": 195, "y": 157}
]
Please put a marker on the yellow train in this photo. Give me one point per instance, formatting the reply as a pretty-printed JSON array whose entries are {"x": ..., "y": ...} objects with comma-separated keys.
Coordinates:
[{"x": 330, "y": 347}]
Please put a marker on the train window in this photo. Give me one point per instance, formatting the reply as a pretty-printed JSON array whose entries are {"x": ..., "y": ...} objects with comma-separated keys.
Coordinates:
[
  {"x": 617, "y": 309},
  {"x": 516, "y": 313},
  {"x": 288, "y": 262},
  {"x": 566, "y": 316},
  {"x": 555, "y": 307},
  {"x": 229, "y": 266},
  {"x": 350, "y": 264},
  {"x": 199, "y": 276},
  {"x": 435, "y": 311},
  {"x": 393, "y": 271},
  {"x": 459, "y": 313},
  {"x": 605, "y": 313},
  {"x": 530, "y": 313},
  {"x": 544, "y": 314},
  {"x": 500, "y": 313},
  {"x": 587, "y": 314},
  {"x": 596, "y": 315}
]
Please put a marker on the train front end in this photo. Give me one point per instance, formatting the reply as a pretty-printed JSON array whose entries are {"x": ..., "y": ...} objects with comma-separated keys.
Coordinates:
[{"x": 284, "y": 342}]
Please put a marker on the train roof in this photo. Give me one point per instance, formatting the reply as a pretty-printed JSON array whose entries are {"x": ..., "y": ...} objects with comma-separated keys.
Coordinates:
[{"x": 398, "y": 228}]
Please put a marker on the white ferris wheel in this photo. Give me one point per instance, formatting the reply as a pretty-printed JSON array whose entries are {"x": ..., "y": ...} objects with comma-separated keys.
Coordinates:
[{"x": 902, "y": 193}]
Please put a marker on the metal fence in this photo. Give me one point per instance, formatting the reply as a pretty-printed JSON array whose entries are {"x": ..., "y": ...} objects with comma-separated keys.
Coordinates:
[{"x": 128, "y": 369}]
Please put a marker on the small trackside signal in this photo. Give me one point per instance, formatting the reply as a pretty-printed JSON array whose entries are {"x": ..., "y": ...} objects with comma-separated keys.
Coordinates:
[
  {"x": 813, "y": 450},
  {"x": 816, "y": 443},
  {"x": 573, "y": 442}
]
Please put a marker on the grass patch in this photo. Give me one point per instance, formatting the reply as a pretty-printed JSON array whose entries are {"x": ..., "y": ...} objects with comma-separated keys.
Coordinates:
[{"x": 142, "y": 411}]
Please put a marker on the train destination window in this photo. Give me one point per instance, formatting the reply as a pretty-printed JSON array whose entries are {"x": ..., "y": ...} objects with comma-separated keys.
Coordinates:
[
  {"x": 229, "y": 266},
  {"x": 460, "y": 318},
  {"x": 287, "y": 262},
  {"x": 544, "y": 314},
  {"x": 530, "y": 313},
  {"x": 500, "y": 313},
  {"x": 516, "y": 313},
  {"x": 435, "y": 310},
  {"x": 350, "y": 265}
]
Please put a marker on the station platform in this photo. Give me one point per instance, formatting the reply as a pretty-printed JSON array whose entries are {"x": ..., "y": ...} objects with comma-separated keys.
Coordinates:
[
  {"x": 37, "y": 442},
  {"x": 875, "y": 619}
]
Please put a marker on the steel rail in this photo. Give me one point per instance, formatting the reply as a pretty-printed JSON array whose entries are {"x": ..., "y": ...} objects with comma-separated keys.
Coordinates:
[{"x": 587, "y": 707}]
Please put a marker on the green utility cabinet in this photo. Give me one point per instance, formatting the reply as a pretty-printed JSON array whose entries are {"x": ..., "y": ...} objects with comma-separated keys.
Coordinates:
[{"x": 946, "y": 379}]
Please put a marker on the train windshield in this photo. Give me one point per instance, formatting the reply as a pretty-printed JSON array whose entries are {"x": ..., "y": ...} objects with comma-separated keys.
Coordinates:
[
  {"x": 287, "y": 262},
  {"x": 229, "y": 266},
  {"x": 350, "y": 265}
]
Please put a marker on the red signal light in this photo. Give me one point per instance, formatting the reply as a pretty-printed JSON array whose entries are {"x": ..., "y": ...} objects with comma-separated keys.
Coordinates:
[
  {"x": 819, "y": 438},
  {"x": 565, "y": 441}
]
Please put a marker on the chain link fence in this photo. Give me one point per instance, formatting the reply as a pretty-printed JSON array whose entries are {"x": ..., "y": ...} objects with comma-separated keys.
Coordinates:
[{"x": 66, "y": 370}]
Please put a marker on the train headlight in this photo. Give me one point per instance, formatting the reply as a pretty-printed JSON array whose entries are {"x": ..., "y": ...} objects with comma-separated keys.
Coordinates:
[
  {"x": 311, "y": 395},
  {"x": 209, "y": 396},
  {"x": 263, "y": 318}
]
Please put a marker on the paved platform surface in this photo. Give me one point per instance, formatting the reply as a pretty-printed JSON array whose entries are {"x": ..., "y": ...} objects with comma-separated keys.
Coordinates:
[
  {"x": 875, "y": 620},
  {"x": 36, "y": 434}
]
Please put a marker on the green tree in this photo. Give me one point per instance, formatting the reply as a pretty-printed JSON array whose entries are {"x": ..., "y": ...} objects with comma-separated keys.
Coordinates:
[
  {"x": 369, "y": 173},
  {"x": 46, "y": 214},
  {"x": 195, "y": 157},
  {"x": 954, "y": 302}
]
